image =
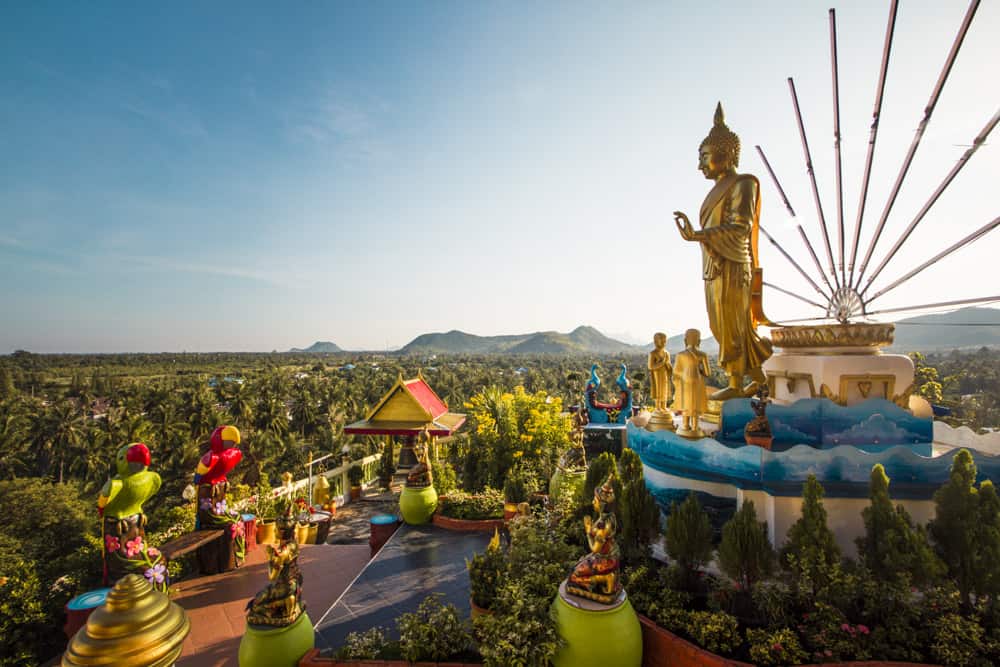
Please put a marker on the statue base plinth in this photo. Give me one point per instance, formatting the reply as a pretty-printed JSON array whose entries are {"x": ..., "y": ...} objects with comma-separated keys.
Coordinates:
[
  {"x": 841, "y": 362},
  {"x": 417, "y": 505},
  {"x": 277, "y": 647},
  {"x": 661, "y": 420},
  {"x": 597, "y": 635},
  {"x": 691, "y": 433}
]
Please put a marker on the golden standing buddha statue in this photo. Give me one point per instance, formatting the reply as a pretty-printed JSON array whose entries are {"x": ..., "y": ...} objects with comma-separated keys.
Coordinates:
[
  {"x": 730, "y": 217},
  {"x": 690, "y": 371}
]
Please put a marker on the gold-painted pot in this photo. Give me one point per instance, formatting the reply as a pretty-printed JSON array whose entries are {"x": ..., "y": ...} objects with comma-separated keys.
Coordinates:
[{"x": 266, "y": 532}]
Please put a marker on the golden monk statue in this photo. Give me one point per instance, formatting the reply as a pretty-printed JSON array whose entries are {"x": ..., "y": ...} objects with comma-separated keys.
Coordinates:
[
  {"x": 659, "y": 372},
  {"x": 730, "y": 217},
  {"x": 690, "y": 370},
  {"x": 420, "y": 475}
]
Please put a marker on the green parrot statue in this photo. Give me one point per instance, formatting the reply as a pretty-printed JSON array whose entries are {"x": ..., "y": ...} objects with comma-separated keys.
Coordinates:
[{"x": 133, "y": 484}]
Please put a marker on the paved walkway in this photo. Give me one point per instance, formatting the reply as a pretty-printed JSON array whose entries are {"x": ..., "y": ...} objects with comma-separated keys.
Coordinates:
[
  {"x": 416, "y": 561},
  {"x": 216, "y": 603},
  {"x": 352, "y": 523}
]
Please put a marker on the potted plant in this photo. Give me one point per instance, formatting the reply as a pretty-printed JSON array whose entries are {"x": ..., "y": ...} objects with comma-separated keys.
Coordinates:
[
  {"x": 264, "y": 508},
  {"x": 515, "y": 491},
  {"x": 354, "y": 475},
  {"x": 486, "y": 570}
]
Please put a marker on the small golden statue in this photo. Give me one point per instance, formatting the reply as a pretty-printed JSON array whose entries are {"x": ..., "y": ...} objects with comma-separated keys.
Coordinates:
[
  {"x": 730, "y": 218},
  {"x": 574, "y": 458},
  {"x": 595, "y": 576},
  {"x": 420, "y": 475},
  {"x": 690, "y": 370},
  {"x": 280, "y": 603},
  {"x": 660, "y": 371}
]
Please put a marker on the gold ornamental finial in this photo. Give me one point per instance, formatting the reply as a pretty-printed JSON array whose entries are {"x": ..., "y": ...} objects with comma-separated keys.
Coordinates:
[
  {"x": 137, "y": 627},
  {"x": 721, "y": 138}
]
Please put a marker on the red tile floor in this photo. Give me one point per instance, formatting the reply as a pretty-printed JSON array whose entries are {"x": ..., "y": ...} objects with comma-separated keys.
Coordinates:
[{"x": 215, "y": 604}]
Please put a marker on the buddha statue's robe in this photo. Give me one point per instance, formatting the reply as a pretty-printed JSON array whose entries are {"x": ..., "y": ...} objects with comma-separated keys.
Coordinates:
[{"x": 729, "y": 220}]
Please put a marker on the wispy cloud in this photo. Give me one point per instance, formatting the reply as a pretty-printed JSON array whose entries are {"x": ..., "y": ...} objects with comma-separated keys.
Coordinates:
[
  {"x": 275, "y": 278},
  {"x": 350, "y": 123}
]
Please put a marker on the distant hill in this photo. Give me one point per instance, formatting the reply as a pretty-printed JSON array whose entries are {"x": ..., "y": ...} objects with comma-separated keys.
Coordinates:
[
  {"x": 319, "y": 346},
  {"x": 676, "y": 343},
  {"x": 582, "y": 340},
  {"x": 968, "y": 327}
]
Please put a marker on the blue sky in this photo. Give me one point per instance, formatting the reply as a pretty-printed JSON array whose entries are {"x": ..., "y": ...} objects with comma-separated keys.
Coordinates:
[{"x": 243, "y": 176}]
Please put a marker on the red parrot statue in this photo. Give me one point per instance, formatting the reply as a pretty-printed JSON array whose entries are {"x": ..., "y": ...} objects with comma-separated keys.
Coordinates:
[{"x": 220, "y": 458}]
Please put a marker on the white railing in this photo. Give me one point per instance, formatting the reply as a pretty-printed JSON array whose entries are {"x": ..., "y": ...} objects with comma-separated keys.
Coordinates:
[{"x": 340, "y": 486}]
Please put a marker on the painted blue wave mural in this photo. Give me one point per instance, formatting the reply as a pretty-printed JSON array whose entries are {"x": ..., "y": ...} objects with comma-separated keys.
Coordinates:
[
  {"x": 844, "y": 470},
  {"x": 874, "y": 425}
]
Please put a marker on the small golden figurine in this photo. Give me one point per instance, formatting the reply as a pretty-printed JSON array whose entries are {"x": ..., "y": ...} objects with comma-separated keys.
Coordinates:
[
  {"x": 660, "y": 372},
  {"x": 575, "y": 458},
  {"x": 690, "y": 370},
  {"x": 280, "y": 602},
  {"x": 595, "y": 576},
  {"x": 730, "y": 219},
  {"x": 420, "y": 475}
]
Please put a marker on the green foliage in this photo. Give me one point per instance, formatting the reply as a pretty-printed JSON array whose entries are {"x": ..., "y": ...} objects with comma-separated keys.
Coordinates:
[
  {"x": 521, "y": 630},
  {"x": 745, "y": 554},
  {"x": 957, "y": 640},
  {"x": 689, "y": 537},
  {"x": 387, "y": 464},
  {"x": 445, "y": 479},
  {"x": 49, "y": 520},
  {"x": 25, "y": 625},
  {"x": 460, "y": 505},
  {"x": 811, "y": 551},
  {"x": 966, "y": 529},
  {"x": 638, "y": 513},
  {"x": 652, "y": 592},
  {"x": 355, "y": 474},
  {"x": 716, "y": 631},
  {"x": 926, "y": 379},
  {"x": 516, "y": 427},
  {"x": 597, "y": 474},
  {"x": 780, "y": 647},
  {"x": 365, "y": 645},
  {"x": 487, "y": 572},
  {"x": 519, "y": 483},
  {"x": 891, "y": 548},
  {"x": 434, "y": 632}
]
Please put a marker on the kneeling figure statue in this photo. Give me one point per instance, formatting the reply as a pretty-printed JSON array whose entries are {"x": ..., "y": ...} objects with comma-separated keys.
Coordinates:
[{"x": 596, "y": 576}]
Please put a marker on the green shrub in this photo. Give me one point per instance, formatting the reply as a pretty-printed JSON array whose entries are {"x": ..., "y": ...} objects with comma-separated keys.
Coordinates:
[
  {"x": 487, "y": 571},
  {"x": 387, "y": 464},
  {"x": 957, "y": 640},
  {"x": 745, "y": 554},
  {"x": 774, "y": 601},
  {"x": 521, "y": 630},
  {"x": 27, "y": 630},
  {"x": 597, "y": 474},
  {"x": 689, "y": 537},
  {"x": 811, "y": 551},
  {"x": 355, "y": 474},
  {"x": 780, "y": 647},
  {"x": 365, "y": 645},
  {"x": 519, "y": 484},
  {"x": 715, "y": 631},
  {"x": 891, "y": 548},
  {"x": 445, "y": 479},
  {"x": 434, "y": 632},
  {"x": 638, "y": 513},
  {"x": 478, "y": 506}
]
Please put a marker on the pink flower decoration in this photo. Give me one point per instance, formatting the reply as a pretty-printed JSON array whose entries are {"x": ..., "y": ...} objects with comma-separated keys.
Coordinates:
[
  {"x": 776, "y": 647},
  {"x": 111, "y": 543},
  {"x": 134, "y": 546},
  {"x": 845, "y": 627},
  {"x": 863, "y": 629},
  {"x": 236, "y": 530},
  {"x": 153, "y": 551}
]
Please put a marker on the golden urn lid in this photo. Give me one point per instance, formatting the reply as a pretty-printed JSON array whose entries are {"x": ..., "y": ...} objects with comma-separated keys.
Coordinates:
[
  {"x": 854, "y": 334},
  {"x": 137, "y": 627}
]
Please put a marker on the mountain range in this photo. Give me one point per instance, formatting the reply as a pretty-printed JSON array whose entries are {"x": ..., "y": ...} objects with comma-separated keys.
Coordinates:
[{"x": 968, "y": 327}]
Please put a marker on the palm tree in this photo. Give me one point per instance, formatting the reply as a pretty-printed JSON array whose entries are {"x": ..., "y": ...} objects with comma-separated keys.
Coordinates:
[{"x": 62, "y": 432}]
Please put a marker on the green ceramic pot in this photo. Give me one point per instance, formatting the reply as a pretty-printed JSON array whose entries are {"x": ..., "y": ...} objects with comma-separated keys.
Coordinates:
[
  {"x": 598, "y": 637},
  {"x": 417, "y": 505},
  {"x": 277, "y": 647}
]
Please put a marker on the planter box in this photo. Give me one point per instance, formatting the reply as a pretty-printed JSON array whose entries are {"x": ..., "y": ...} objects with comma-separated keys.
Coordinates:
[
  {"x": 662, "y": 648},
  {"x": 467, "y": 525},
  {"x": 313, "y": 659}
]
